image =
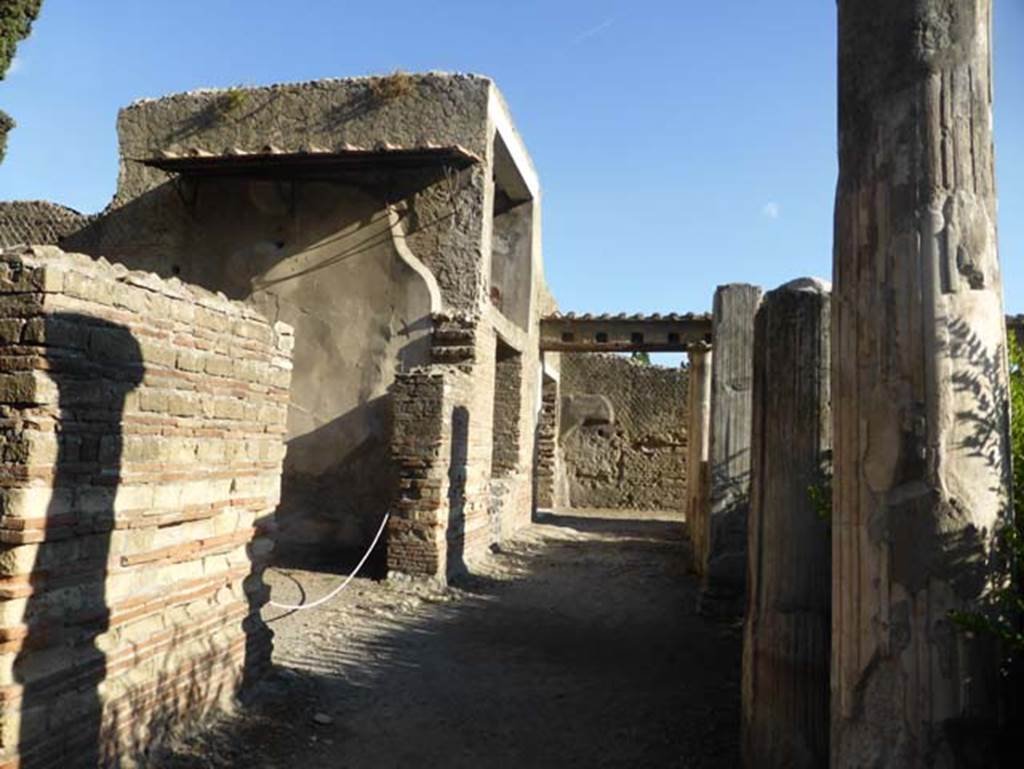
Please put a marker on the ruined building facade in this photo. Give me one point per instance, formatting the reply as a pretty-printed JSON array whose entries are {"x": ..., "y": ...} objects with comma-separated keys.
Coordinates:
[
  {"x": 394, "y": 223},
  {"x": 307, "y": 306}
]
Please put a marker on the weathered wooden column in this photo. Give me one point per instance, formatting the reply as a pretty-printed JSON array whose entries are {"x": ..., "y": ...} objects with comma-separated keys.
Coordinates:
[
  {"x": 732, "y": 335},
  {"x": 786, "y": 634},
  {"x": 921, "y": 465},
  {"x": 697, "y": 436}
]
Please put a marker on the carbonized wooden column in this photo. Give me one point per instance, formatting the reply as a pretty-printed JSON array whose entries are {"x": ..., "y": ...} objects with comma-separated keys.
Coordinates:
[
  {"x": 724, "y": 583},
  {"x": 697, "y": 436},
  {"x": 921, "y": 465},
  {"x": 786, "y": 633}
]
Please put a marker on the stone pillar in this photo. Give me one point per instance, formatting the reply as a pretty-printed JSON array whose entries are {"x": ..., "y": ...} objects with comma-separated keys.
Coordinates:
[
  {"x": 732, "y": 335},
  {"x": 545, "y": 476},
  {"x": 698, "y": 442},
  {"x": 786, "y": 634},
  {"x": 921, "y": 443}
]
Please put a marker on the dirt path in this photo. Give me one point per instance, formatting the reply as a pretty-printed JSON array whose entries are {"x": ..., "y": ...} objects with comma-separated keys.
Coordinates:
[{"x": 577, "y": 646}]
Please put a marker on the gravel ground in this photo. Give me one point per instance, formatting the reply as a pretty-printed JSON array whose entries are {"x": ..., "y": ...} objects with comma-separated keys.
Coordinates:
[{"x": 575, "y": 646}]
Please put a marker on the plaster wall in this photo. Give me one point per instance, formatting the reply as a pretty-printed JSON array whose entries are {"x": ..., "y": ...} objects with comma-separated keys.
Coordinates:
[
  {"x": 511, "y": 279},
  {"x": 321, "y": 255}
]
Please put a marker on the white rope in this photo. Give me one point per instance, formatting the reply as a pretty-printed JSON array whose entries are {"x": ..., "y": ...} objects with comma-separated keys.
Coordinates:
[{"x": 343, "y": 585}]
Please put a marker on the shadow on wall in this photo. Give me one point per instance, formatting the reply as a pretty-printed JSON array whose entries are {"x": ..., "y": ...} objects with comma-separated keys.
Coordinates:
[
  {"x": 60, "y": 663},
  {"x": 83, "y": 703},
  {"x": 976, "y": 561},
  {"x": 253, "y": 227},
  {"x": 457, "y": 472},
  {"x": 238, "y": 105},
  {"x": 320, "y": 257},
  {"x": 726, "y": 568},
  {"x": 333, "y": 499}
]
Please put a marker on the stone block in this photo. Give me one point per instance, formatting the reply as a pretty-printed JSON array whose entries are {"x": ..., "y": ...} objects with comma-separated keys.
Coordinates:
[
  {"x": 219, "y": 365},
  {"x": 21, "y": 388},
  {"x": 191, "y": 360},
  {"x": 10, "y": 330}
]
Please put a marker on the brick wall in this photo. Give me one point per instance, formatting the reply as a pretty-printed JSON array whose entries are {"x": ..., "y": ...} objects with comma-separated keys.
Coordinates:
[
  {"x": 416, "y": 530},
  {"x": 142, "y": 435},
  {"x": 639, "y": 462},
  {"x": 451, "y": 506},
  {"x": 546, "y": 464},
  {"x": 508, "y": 400}
]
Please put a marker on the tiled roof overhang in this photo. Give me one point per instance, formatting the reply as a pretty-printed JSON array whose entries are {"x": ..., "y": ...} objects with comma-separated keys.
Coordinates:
[
  {"x": 674, "y": 332},
  {"x": 308, "y": 162}
]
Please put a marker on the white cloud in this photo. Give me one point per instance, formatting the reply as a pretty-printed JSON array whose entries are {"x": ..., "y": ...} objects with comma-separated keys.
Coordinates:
[
  {"x": 597, "y": 30},
  {"x": 771, "y": 210}
]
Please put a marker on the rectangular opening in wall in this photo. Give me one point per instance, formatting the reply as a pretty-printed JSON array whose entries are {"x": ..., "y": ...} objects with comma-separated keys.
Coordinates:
[
  {"x": 508, "y": 378},
  {"x": 511, "y": 239}
]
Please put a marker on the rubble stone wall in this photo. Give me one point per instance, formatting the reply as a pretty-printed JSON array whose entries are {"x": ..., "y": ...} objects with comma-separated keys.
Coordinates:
[
  {"x": 142, "y": 426},
  {"x": 639, "y": 461},
  {"x": 37, "y": 222}
]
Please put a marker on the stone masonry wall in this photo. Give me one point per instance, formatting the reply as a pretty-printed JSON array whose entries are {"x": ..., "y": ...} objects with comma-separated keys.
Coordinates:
[
  {"x": 508, "y": 397},
  {"x": 145, "y": 219},
  {"x": 416, "y": 532},
  {"x": 547, "y": 465},
  {"x": 141, "y": 427},
  {"x": 442, "y": 447},
  {"x": 441, "y": 444},
  {"x": 321, "y": 256},
  {"x": 37, "y": 221},
  {"x": 638, "y": 462},
  {"x": 452, "y": 505}
]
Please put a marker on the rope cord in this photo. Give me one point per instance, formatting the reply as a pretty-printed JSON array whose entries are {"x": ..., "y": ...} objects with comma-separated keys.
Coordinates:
[{"x": 343, "y": 585}]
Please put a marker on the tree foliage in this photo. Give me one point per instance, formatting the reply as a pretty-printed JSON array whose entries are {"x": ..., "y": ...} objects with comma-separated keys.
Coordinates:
[{"x": 16, "y": 17}]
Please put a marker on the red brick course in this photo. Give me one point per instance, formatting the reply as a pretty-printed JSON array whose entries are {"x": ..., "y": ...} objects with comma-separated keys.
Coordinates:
[{"x": 141, "y": 441}]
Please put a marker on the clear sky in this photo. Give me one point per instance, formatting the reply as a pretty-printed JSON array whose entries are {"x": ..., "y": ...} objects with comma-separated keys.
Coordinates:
[{"x": 680, "y": 143}]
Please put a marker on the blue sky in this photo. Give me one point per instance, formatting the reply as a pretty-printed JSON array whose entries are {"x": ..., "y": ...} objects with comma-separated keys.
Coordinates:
[{"x": 680, "y": 144}]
